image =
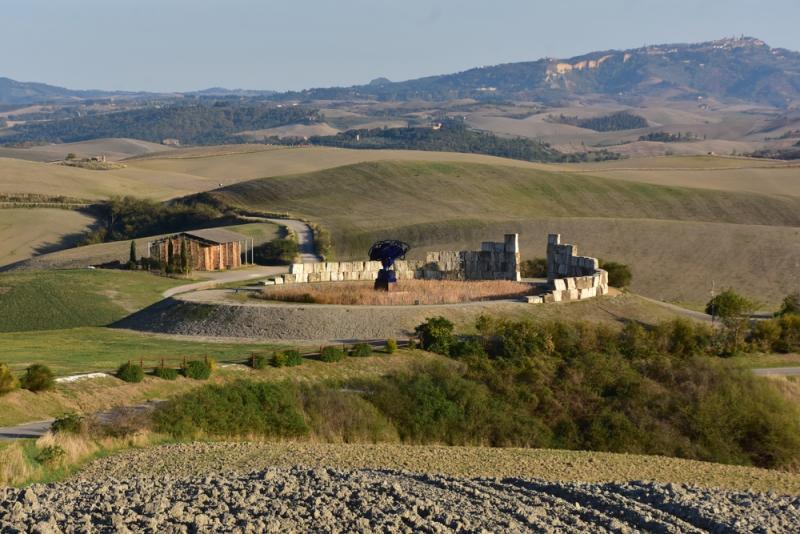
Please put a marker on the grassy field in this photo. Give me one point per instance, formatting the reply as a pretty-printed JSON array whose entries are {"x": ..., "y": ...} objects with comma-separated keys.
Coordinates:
[
  {"x": 658, "y": 229},
  {"x": 113, "y": 149},
  {"x": 91, "y": 395},
  {"x": 63, "y": 299},
  {"x": 79, "y": 257},
  {"x": 26, "y": 232}
]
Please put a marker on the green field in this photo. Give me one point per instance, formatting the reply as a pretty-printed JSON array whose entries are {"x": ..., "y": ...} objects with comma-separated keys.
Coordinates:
[
  {"x": 87, "y": 349},
  {"x": 49, "y": 300}
]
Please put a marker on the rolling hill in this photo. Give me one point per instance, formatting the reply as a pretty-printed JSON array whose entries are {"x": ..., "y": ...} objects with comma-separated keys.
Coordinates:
[{"x": 677, "y": 239}]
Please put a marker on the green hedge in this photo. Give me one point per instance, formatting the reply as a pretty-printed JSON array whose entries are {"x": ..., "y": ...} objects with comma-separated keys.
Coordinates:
[
  {"x": 130, "y": 372},
  {"x": 331, "y": 354}
]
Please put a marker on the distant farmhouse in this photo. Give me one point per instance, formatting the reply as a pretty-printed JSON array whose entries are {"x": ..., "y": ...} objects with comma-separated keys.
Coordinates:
[{"x": 212, "y": 249}]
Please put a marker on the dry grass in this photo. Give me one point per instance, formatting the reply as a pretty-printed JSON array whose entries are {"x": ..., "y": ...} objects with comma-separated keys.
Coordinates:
[
  {"x": 408, "y": 292},
  {"x": 26, "y": 232}
]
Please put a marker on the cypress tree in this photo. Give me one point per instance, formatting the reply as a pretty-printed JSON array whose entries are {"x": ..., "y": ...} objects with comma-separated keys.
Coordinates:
[
  {"x": 132, "y": 258},
  {"x": 184, "y": 257},
  {"x": 170, "y": 256}
]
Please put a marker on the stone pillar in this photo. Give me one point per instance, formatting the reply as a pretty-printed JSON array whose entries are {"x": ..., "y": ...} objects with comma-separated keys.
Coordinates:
[{"x": 553, "y": 240}]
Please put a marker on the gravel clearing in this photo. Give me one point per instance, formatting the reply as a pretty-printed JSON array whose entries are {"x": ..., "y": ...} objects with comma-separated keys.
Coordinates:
[{"x": 368, "y": 500}]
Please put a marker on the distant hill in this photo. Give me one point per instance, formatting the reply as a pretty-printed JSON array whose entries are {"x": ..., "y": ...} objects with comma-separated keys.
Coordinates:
[
  {"x": 13, "y": 92},
  {"x": 738, "y": 68}
]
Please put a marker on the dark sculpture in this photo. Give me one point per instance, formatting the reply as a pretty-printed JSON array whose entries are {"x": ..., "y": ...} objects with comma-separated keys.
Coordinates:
[{"x": 387, "y": 252}]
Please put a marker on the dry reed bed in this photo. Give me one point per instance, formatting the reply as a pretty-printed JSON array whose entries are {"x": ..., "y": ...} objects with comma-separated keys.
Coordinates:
[{"x": 408, "y": 292}]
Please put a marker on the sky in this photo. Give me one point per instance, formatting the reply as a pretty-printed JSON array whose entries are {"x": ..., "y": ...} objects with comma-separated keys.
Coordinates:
[{"x": 183, "y": 45}]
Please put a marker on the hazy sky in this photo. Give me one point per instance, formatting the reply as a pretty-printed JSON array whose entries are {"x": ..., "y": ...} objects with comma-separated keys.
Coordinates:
[{"x": 177, "y": 45}]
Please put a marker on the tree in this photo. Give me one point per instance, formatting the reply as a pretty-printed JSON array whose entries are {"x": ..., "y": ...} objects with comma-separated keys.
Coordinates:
[
  {"x": 132, "y": 256},
  {"x": 170, "y": 256},
  {"x": 71, "y": 156},
  {"x": 790, "y": 304},
  {"x": 436, "y": 335},
  {"x": 729, "y": 305},
  {"x": 184, "y": 265}
]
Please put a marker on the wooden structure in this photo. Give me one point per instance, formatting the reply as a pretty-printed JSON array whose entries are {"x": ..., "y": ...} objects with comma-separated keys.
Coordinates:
[{"x": 211, "y": 249}]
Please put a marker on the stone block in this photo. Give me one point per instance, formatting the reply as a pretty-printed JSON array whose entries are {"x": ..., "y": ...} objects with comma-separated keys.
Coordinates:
[
  {"x": 559, "y": 284},
  {"x": 296, "y": 268},
  {"x": 570, "y": 282},
  {"x": 278, "y": 280},
  {"x": 290, "y": 278},
  {"x": 548, "y": 298},
  {"x": 587, "y": 293},
  {"x": 573, "y": 294},
  {"x": 314, "y": 277},
  {"x": 558, "y": 296},
  {"x": 535, "y": 299}
]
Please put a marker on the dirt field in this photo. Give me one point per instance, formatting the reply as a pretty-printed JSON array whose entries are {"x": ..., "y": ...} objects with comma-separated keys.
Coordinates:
[
  {"x": 346, "y": 488},
  {"x": 26, "y": 232},
  {"x": 113, "y": 149}
]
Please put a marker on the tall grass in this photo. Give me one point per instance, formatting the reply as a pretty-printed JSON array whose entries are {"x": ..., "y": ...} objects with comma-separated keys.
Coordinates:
[{"x": 407, "y": 292}]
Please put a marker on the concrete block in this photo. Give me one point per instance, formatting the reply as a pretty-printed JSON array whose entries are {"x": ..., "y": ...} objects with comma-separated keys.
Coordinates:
[
  {"x": 535, "y": 299},
  {"x": 570, "y": 282},
  {"x": 558, "y": 296},
  {"x": 278, "y": 280},
  {"x": 290, "y": 278},
  {"x": 559, "y": 284},
  {"x": 296, "y": 268},
  {"x": 573, "y": 294},
  {"x": 332, "y": 266},
  {"x": 587, "y": 293}
]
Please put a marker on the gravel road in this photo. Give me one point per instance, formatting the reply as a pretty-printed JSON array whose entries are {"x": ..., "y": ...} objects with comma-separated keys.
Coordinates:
[{"x": 368, "y": 500}]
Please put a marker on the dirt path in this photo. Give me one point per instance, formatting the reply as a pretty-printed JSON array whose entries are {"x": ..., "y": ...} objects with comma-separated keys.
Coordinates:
[
  {"x": 305, "y": 236},
  {"x": 224, "y": 277},
  {"x": 777, "y": 371}
]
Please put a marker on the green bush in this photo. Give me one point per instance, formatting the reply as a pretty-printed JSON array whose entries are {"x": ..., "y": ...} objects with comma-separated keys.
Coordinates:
[
  {"x": 790, "y": 304},
  {"x": 436, "y": 335},
  {"x": 535, "y": 268},
  {"x": 331, "y": 354},
  {"x": 344, "y": 416},
  {"x": 293, "y": 357},
  {"x": 258, "y": 361},
  {"x": 765, "y": 335},
  {"x": 241, "y": 408},
  {"x": 70, "y": 423},
  {"x": 279, "y": 359},
  {"x": 165, "y": 373},
  {"x": 279, "y": 251},
  {"x": 130, "y": 372},
  {"x": 197, "y": 369},
  {"x": 729, "y": 305},
  {"x": 619, "y": 274},
  {"x": 37, "y": 377},
  {"x": 52, "y": 455},
  {"x": 361, "y": 350},
  {"x": 391, "y": 346},
  {"x": 8, "y": 382},
  {"x": 789, "y": 340}
]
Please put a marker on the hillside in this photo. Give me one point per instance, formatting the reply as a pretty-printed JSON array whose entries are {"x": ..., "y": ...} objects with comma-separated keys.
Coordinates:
[
  {"x": 745, "y": 69},
  {"x": 658, "y": 229}
]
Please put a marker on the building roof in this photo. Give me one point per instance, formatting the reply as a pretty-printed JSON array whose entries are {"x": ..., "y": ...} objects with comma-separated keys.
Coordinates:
[{"x": 210, "y": 235}]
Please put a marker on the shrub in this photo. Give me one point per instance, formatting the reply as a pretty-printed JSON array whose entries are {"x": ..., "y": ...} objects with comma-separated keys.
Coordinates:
[
  {"x": 535, "y": 268},
  {"x": 279, "y": 359},
  {"x": 241, "y": 408},
  {"x": 344, "y": 416},
  {"x": 361, "y": 350},
  {"x": 391, "y": 346},
  {"x": 70, "y": 423},
  {"x": 619, "y": 274},
  {"x": 212, "y": 364},
  {"x": 331, "y": 354},
  {"x": 197, "y": 369},
  {"x": 8, "y": 382},
  {"x": 436, "y": 335},
  {"x": 166, "y": 373},
  {"x": 51, "y": 455},
  {"x": 37, "y": 377},
  {"x": 789, "y": 340},
  {"x": 293, "y": 357},
  {"x": 790, "y": 304},
  {"x": 130, "y": 372},
  {"x": 765, "y": 334},
  {"x": 258, "y": 361}
]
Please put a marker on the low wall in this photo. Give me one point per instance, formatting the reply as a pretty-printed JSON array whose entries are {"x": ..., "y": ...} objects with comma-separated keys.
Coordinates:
[
  {"x": 495, "y": 261},
  {"x": 571, "y": 277}
]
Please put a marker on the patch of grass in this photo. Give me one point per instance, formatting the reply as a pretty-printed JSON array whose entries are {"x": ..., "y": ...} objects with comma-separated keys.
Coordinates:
[
  {"x": 78, "y": 350},
  {"x": 51, "y": 300}
]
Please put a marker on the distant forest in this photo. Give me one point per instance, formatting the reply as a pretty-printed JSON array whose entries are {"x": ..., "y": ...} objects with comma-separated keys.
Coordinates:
[
  {"x": 621, "y": 120},
  {"x": 193, "y": 123},
  {"x": 454, "y": 136},
  {"x": 791, "y": 153}
]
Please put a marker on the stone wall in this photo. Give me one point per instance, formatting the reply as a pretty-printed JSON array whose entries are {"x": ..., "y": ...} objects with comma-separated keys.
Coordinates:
[
  {"x": 495, "y": 261},
  {"x": 571, "y": 277}
]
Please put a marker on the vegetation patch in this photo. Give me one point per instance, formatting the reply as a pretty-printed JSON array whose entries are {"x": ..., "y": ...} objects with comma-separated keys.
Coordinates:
[
  {"x": 37, "y": 377},
  {"x": 130, "y": 372},
  {"x": 408, "y": 292},
  {"x": 197, "y": 369}
]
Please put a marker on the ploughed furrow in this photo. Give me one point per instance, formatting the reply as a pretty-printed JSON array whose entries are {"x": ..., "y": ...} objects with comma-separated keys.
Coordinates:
[
  {"x": 289, "y": 499},
  {"x": 634, "y": 513},
  {"x": 719, "y": 510}
]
